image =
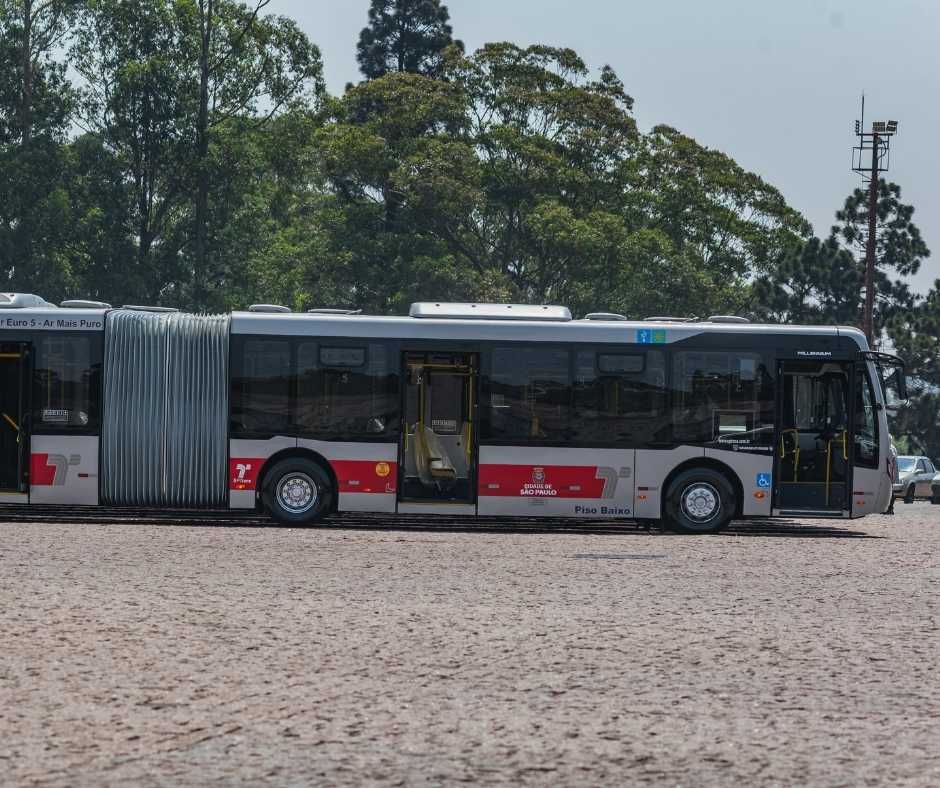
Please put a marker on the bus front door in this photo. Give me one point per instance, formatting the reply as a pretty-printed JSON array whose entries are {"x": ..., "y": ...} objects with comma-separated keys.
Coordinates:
[
  {"x": 14, "y": 449},
  {"x": 438, "y": 443},
  {"x": 813, "y": 471}
]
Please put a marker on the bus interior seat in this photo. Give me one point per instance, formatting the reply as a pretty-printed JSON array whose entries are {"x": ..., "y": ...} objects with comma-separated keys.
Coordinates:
[{"x": 431, "y": 458}]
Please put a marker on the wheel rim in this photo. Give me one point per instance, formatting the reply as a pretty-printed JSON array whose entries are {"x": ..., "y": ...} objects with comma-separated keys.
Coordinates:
[
  {"x": 297, "y": 493},
  {"x": 701, "y": 502}
]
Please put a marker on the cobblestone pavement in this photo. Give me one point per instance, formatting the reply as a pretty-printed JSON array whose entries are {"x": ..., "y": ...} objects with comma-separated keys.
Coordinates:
[{"x": 143, "y": 650}]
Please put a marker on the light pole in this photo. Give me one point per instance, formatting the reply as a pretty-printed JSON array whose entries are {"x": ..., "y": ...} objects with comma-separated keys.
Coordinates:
[{"x": 878, "y": 143}]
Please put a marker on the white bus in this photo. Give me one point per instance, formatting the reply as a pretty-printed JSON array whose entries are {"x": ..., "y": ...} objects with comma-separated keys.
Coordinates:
[{"x": 456, "y": 409}]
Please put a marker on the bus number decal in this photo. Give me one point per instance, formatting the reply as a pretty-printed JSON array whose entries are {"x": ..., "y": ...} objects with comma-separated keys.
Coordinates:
[
  {"x": 51, "y": 470},
  {"x": 243, "y": 472}
]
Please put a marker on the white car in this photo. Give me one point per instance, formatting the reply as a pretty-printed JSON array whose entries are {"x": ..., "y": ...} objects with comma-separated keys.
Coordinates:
[{"x": 915, "y": 474}]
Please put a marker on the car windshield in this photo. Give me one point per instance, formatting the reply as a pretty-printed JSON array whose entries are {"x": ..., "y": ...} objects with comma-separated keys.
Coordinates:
[{"x": 906, "y": 464}]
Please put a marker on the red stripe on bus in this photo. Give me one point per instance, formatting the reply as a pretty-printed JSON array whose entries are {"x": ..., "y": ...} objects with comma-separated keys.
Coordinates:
[
  {"x": 41, "y": 473},
  {"x": 540, "y": 481},
  {"x": 362, "y": 476},
  {"x": 366, "y": 476}
]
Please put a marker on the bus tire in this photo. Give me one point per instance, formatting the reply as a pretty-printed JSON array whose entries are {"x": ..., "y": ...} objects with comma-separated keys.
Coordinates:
[
  {"x": 909, "y": 494},
  {"x": 297, "y": 491},
  {"x": 699, "y": 501}
]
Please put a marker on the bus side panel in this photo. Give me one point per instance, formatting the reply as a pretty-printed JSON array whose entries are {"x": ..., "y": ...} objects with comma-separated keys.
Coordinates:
[
  {"x": 63, "y": 469},
  {"x": 652, "y": 467},
  {"x": 755, "y": 472},
  {"x": 246, "y": 458},
  {"x": 871, "y": 487},
  {"x": 367, "y": 473},
  {"x": 871, "y": 490},
  {"x": 554, "y": 482}
]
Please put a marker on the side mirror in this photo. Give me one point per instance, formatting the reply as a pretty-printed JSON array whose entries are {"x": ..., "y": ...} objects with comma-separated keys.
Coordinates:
[{"x": 898, "y": 381}]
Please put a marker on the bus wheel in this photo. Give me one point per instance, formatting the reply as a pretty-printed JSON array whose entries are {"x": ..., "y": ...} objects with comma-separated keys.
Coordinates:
[
  {"x": 699, "y": 501},
  {"x": 297, "y": 491}
]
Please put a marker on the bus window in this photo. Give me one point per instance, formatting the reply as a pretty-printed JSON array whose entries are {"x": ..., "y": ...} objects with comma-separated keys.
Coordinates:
[
  {"x": 67, "y": 384},
  {"x": 529, "y": 395},
  {"x": 261, "y": 381},
  {"x": 346, "y": 392},
  {"x": 620, "y": 398},
  {"x": 723, "y": 397},
  {"x": 866, "y": 422}
]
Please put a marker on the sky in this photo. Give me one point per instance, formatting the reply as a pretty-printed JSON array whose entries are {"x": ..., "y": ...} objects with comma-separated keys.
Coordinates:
[{"x": 775, "y": 84}]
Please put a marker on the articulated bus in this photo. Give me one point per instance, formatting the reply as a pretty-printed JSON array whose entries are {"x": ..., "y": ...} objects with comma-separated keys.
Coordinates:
[{"x": 456, "y": 409}]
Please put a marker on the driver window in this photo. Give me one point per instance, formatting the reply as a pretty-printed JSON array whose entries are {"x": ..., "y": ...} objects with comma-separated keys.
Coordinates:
[{"x": 866, "y": 424}]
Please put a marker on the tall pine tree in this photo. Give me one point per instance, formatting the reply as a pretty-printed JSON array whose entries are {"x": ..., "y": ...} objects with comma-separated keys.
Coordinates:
[{"x": 405, "y": 36}]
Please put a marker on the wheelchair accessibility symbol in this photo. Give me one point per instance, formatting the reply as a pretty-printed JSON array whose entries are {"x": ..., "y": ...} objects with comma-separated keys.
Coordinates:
[{"x": 763, "y": 480}]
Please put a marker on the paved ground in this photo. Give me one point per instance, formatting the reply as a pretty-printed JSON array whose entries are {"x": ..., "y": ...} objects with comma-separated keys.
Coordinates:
[{"x": 152, "y": 653}]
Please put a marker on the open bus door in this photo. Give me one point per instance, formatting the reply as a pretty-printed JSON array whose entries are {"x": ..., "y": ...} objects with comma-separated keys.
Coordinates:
[
  {"x": 813, "y": 451},
  {"x": 14, "y": 408},
  {"x": 438, "y": 444}
]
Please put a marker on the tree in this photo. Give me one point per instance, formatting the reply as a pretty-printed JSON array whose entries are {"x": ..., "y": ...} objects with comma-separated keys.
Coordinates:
[
  {"x": 249, "y": 66},
  {"x": 162, "y": 76},
  {"x": 397, "y": 165},
  {"x": 405, "y": 36},
  {"x": 517, "y": 175},
  {"x": 822, "y": 281},
  {"x": 724, "y": 225},
  {"x": 35, "y": 107},
  {"x": 815, "y": 282},
  {"x": 140, "y": 100},
  {"x": 34, "y": 89}
]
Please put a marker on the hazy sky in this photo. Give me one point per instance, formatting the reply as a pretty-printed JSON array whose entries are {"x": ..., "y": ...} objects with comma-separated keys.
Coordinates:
[{"x": 773, "y": 83}]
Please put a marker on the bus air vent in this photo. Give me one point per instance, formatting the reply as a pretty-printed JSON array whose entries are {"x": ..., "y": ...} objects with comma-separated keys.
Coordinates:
[
  {"x": 269, "y": 308},
  {"x": 554, "y": 314},
  {"x": 727, "y": 319},
  {"x": 80, "y": 304},
  {"x": 158, "y": 309},
  {"x": 323, "y": 311},
  {"x": 668, "y": 319},
  {"x": 22, "y": 301},
  {"x": 604, "y": 316}
]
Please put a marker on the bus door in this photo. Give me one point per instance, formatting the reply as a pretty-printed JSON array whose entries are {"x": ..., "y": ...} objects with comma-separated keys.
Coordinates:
[
  {"x": 813, "y": 471},
  {"x": 14, "y": 438},
  {"x": 438, "y": 462}
]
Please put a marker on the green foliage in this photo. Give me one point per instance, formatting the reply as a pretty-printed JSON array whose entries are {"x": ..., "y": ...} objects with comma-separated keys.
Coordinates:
[
  {"x": 405, "y": 36},
  {"x": 35, "y": 102},
  {"x": 899, "y": 245},
  {"x": 823, "y": 281},
  {"x": 145, "y": 66},
  {"x": 516, "y": 176}
]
